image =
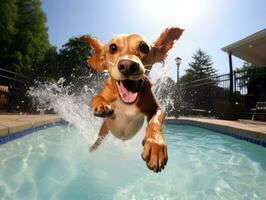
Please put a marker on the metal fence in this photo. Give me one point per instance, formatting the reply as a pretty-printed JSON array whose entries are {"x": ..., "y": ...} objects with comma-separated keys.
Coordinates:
[
  {"x": 13, "y": 88},
  {"x": 212, "y": 96},
  {"x": 250, "y": 86}
]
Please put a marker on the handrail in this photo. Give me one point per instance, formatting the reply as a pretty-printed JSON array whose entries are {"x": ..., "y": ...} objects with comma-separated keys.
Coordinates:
[
  {"x": 14, "y": 79},
  {"x": 14, "y": 73}
]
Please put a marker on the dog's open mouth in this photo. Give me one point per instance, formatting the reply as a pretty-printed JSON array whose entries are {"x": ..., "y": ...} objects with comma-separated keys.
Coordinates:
[{"x": 129, "y": 90}]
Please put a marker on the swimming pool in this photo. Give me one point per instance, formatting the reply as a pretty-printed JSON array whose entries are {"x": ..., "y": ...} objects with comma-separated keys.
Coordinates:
[{"x": 55, "y": 163}]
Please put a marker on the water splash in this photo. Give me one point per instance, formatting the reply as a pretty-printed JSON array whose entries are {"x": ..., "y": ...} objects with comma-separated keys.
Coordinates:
[
  {"x": 164, "y": 88},
  {"x": 72, "y": 103},
  {"x": 72, "y": 107}
]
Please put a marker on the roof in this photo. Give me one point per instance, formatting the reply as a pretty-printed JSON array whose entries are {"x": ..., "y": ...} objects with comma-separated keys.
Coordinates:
[{"x": 251, "y": 48}]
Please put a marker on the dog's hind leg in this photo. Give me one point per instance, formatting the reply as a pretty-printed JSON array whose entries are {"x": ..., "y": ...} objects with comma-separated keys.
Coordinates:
[{"x": 102, "y": 133}]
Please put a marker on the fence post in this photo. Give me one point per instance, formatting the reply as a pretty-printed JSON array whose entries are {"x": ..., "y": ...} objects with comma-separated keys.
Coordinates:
[
  {"x": 235, "y": 85},
  {"x": 231, "y": 77}
]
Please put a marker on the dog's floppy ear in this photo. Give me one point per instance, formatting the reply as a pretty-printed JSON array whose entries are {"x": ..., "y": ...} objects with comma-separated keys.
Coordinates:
[
  {"x": 164, "y": 43},
  {"x": 96, "y": 60}
]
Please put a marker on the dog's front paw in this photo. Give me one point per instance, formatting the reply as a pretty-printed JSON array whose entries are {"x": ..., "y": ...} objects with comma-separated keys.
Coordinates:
[
  {"x": 103, "y": 110},
  {"x": 155, "y": 152},
  {"x": 93, "y": 148}
]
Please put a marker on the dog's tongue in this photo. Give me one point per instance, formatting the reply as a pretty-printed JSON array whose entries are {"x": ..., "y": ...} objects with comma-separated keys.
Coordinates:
[{"x": 126, "y": 95}]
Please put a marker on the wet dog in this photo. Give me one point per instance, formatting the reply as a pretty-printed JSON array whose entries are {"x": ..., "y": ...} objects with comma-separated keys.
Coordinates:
[{"x": 126, "y": 98}]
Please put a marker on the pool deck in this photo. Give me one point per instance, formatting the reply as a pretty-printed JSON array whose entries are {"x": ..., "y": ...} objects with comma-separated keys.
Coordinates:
[
  {"x": 248, "y": 128},
  {"x": 13, "y": 123}
]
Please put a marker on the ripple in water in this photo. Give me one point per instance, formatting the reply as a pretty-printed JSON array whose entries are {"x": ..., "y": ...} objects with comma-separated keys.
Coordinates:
[{"x": 55, "y": 164}]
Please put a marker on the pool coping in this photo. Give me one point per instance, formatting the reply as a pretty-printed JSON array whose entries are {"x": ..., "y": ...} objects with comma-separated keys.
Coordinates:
[
  {"x": 223, "y": 127},
  {"x": 16, "y": 126},
  {"x": 20, "y": 134}
]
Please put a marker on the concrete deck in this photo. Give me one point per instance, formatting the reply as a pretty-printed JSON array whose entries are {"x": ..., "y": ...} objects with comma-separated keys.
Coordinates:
[
  {"x": 11, "y": 123},
  {"x": 253, "y": 129}
]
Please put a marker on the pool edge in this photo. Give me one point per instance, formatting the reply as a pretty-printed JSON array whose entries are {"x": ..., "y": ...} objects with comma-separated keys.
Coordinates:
[
  {"x": 23, "y": 128},
  {"x": 254, "y": 137}
]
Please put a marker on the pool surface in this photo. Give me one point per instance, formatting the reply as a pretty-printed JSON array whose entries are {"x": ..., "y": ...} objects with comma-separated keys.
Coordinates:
[{"x": 55, "y": 164}]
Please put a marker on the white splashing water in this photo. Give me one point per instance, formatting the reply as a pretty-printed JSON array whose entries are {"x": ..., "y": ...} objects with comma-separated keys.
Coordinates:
[{"x": 73, "y": 106}]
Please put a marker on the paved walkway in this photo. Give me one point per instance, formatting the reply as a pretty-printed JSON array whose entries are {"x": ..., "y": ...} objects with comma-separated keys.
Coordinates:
[
  {"x": 249, "y": 125},
  {"x": 12, "y": 123}
]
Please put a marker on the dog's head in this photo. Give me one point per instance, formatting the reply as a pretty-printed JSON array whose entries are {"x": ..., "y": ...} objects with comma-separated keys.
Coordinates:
[{"x": 129, "y": 57}]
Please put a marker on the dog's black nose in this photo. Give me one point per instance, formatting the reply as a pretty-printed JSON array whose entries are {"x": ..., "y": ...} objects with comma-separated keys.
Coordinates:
[{"x": 128, "y": 67}]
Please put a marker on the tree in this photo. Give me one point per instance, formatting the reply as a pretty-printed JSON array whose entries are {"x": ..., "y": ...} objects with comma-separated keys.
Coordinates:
[
  {"x": 72, "y": 58},
  {"x": 198, "y": 85},
  {"x": 244, "y": 75},
  {"x": 8, "y": 10},
  {"x": 25, "y": 40},
  {"x": 69, "y": 63},
  {"x": 46, "y": 70},
  {"x": 72, "y": 64},
  {"x": 246, "y": 65},
  {"x": 200, "y": 67}
]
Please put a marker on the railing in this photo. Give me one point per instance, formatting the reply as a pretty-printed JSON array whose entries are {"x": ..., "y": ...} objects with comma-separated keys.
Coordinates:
[
  {"x": 222, "y": 81},
  {"x": 249, "y": 87},
  {"x": 12, "y": 90}
]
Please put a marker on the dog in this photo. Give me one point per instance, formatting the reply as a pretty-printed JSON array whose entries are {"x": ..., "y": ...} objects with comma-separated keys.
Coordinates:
[{"x": 126, "y": 97}]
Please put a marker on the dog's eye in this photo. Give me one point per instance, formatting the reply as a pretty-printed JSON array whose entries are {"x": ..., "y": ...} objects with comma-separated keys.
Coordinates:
[
  {"x": 144, "y": 48},
  {"x": 112, "y": 48}
]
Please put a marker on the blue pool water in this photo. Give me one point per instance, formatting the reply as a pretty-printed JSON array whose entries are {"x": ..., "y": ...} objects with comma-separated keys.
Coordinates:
[{"x": 55, "y": 164}]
